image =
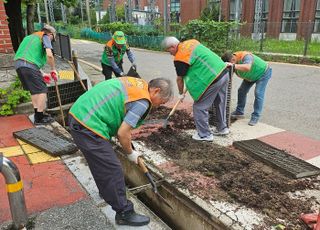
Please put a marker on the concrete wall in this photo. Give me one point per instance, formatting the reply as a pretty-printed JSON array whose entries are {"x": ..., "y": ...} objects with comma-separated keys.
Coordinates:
[{"x": 5, "y": 39}]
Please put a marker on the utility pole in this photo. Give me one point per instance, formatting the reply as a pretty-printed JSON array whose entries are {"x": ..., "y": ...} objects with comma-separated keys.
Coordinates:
[
  {"x": 38, "y": 12},
  {"x": 113, "y": 11},
  {"x": 81, "y": 10},
  {"x": 129, "y": 11},
  {"x": 88, "y": 13},
  {"x": 257, "y": 29},
  {"x": 165, "y": 17},
  {"x": 63, "y": 13},
  {"x": 46, "y": 10},
  {"x": 50, "y": 3}
]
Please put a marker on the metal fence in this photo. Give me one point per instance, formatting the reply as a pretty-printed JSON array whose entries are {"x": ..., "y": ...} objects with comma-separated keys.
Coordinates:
[{"x": 295, "y": 38}]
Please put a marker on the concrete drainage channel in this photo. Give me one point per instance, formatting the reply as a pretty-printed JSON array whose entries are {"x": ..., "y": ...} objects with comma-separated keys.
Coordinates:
[
  {"x": 185, "y": 213},
  {"x": 188, "y": 211}
]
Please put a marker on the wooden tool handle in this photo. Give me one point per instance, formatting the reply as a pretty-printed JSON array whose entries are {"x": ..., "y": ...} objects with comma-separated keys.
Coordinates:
[
  {"x": 77, "y": 75},
  {"x": 177, "y": 103},
  {"x": 142, "y": 165},
  {"x": 60, "y": 104}
]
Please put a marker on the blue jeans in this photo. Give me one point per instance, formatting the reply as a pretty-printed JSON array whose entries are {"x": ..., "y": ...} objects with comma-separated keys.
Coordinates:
[{"x": 259, "y": 92}]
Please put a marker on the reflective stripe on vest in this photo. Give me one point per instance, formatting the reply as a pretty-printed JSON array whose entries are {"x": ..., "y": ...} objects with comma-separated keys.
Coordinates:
[
  {"x": 102, "y": 109},
  {"x": 204, "y": 68}
]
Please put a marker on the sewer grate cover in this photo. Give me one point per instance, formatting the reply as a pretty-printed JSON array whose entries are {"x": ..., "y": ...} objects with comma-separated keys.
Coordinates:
[
  {"x": 284, "y": 162},
  {"x": 69, "y": 93},
  {"x": 47, "y": 141}
]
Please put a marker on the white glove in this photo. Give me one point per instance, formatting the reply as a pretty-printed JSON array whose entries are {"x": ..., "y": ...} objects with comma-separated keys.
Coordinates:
[
  {"x": 121, "y": 74},
  {"x": 134, "y": 65},
  {"x": 133, "y": 156},
  {"x": 181, "y": 96}
]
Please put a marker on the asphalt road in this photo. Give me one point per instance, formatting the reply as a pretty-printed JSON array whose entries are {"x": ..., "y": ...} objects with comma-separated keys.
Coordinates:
[{"x": 292, "y": 99}]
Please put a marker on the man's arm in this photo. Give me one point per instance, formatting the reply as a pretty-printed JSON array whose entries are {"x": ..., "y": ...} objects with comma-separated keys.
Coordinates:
[
  {"x": 247, "y": 64},
  {"x": 48, "y": 47},
  {"x": 180, "y": 84},
  {"x": 181, "y": 70},
  {"x": 124, "y": 136},
  {"x": 50, "y": 59},
  {"x": 114, "y": 65}
]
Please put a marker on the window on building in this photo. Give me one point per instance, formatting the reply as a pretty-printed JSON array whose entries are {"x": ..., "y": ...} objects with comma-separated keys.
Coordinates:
[
  {"x": 235, "y": 10},
  {"x": 263, "y": 14},
  {"x": 317, "y": 19},
  {"x": 175, "y": 10},
  {"x": 215, "y": 7},
  {"x": 291, "y": 11}
]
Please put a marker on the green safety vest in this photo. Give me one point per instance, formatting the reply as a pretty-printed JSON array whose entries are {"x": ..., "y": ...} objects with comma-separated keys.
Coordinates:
[
  {"x": 117, "y": 54},
  {"x": 258, "y": 67},
  {"x": 31, "y": 50},
  {"x": 205, "y": 66},
  {"x": 102, "y": 108}
]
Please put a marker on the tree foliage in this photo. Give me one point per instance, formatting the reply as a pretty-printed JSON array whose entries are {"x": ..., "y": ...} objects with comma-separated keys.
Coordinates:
[{"x": 212, "y": 34}]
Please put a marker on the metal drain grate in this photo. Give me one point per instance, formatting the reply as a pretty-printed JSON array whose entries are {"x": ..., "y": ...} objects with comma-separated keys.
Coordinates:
[
  {"x": 69, "y": 93},
  {"x": 276, "y": 158},
  {"x": 47, "y": 141}
]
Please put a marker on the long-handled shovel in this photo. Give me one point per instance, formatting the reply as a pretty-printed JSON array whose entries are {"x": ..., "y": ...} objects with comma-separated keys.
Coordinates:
[
  {"x": 165, "y": 123},
  {"x": 152, "y": 182},
  {"x": 60, "y": 104}
]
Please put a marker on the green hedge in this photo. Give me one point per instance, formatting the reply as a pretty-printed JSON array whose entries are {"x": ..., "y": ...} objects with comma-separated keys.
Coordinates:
[{"x": 214, "y": 35}]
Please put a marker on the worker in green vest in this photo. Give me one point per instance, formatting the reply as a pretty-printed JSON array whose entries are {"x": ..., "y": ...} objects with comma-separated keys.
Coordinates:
[
  {"x": 206, "y": 78},
  {"x": 33, "y": 53},
  {"x": 254, "y": 71},
  {"x": 112, "y": 56},
  {"x": 114, "y": 108}
]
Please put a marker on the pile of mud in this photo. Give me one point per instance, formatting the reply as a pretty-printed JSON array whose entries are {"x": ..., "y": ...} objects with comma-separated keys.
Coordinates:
[{"x": 231, "y": 175}]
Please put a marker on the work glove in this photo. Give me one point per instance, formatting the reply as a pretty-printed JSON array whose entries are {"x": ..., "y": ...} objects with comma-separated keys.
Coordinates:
[
  {"x": 54, "y": 75},
  {"x": 46, "y": 78},
  {"x": 133, "y": 156},
  {"x": 134, "y": 65},
  {"x": 181, "y": 97}
]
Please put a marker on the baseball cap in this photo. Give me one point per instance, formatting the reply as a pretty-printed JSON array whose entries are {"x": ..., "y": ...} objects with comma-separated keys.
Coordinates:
[
  {"x": 50, "y": 29},
  {"x": 119, "y": 37}
]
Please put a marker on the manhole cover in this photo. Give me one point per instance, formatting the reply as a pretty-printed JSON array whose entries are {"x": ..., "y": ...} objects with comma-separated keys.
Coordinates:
[
  {"x": 47, "y": 141},
  {"x": 276, "y": 158}
]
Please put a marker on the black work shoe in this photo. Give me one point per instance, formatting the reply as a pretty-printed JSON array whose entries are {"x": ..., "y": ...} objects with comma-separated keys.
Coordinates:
[
  {"x": 44, "y": 121},
  {"x": 131, "y": 218}
]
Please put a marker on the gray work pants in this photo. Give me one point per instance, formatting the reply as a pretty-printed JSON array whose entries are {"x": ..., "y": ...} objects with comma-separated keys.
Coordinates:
[
  {"x": 104, "y": 165},
  {"x": 216, "y": 94}
]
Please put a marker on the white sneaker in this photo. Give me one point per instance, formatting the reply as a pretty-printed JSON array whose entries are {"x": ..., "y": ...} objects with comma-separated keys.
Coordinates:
[
  {"x": 223, "y": 132},
  {"x": 198, "y": 138}
]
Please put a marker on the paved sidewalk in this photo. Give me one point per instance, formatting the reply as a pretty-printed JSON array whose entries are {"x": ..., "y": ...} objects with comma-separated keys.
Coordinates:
[{"x": 60, "y": 192}]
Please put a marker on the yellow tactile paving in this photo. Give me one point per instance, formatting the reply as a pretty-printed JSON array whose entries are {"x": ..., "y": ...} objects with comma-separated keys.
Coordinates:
[
  {"x": 66, "y": 74},
  {"x": 34, "y": 154},
  {"x": 40, "y": 157},
  {"x": 11, "y": 151},
  {"x": 29, "y": 149},
  {"x": 21, "y": 142}
]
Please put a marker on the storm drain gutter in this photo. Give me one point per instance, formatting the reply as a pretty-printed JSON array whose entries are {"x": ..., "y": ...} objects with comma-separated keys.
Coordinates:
[{"x": 186, "y": 214}]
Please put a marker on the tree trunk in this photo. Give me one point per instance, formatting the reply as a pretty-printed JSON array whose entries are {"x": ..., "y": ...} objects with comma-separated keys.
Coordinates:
[
  {"x": 30, "y": 18},
  {"x": 13, "y": 11}
]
